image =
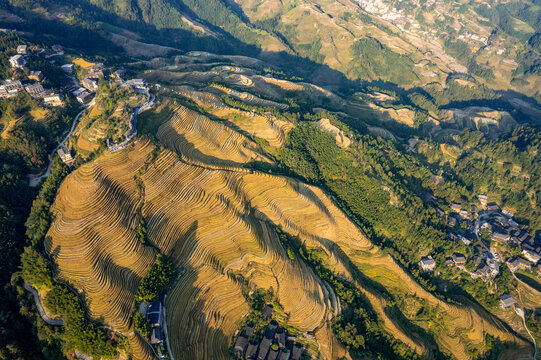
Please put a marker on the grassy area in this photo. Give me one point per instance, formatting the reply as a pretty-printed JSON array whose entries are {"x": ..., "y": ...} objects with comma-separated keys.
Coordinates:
[
  {"x": 150, "y": 121},
  {"x": 529, "y": 279}
]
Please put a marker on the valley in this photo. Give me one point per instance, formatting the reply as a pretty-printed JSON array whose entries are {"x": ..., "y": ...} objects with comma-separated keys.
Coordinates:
[{"x": 270, "y": 180}]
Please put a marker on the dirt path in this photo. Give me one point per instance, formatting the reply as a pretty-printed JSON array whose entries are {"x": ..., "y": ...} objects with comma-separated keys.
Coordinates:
[{"x": 520, "y": 313}]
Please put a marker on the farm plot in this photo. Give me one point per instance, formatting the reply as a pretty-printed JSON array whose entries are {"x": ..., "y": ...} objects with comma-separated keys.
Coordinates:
[
  {"x": 206, "y": 141},
  {"x": 200, "y": 219},
  {"x": 217, "y": 226}
]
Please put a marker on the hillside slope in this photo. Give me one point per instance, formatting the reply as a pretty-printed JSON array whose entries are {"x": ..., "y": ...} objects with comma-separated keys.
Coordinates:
[{"x": 217, "y": 224}]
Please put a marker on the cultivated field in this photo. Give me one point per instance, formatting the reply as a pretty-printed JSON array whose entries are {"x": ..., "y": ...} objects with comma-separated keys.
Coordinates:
[{"x": 216, "y": 221}]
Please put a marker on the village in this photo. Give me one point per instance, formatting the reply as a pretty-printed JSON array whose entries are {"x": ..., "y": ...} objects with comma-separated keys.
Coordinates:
[
  {"x": 30, "y": 80},
  {"x": 497, "y": 235},
  {"x": 408, "y": 24},
  {"x": 271, "y": 345}
]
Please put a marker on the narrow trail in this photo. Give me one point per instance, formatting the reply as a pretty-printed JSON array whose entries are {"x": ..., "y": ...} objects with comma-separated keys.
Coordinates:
[
  {"x": 48, "y": 320},
  {"x": 34, "y": 180},
  {"x": 165, "y": 330},
  {"x": 520, "y": 313}
]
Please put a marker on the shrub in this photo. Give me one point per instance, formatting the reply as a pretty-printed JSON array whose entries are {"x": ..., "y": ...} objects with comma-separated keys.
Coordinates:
[
  {"x": 142, "y": 325},
  {"x": 157, "y": 278}
]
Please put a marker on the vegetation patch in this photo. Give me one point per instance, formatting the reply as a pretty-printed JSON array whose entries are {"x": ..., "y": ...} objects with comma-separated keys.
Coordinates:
[{"x": 156, "y": 280}]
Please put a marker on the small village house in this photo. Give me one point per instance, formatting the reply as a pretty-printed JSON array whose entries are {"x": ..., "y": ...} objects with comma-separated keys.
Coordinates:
[
  {"x": 533, "y": 256},
  {"x": 11, "y": 88},
  {"x": 459, "y": 260},
  {"x": 22, "y": 49},
  {"x": 90, "y": 83},
  {"x": 483, "y": 200},
  {"x": 67, "y": 68},
  {"x": 84, "y": 97},
  {"x": 156, "y": 336},
  {"x": 427, "y": 263},
  {"x": 65, "y": 155},
  {"x": 506, "y": 301},
  {"x": 53, "y": 100},
  {"x": 482, "y": 272},
  {"x": 500, "y": 237},
  {"x": 492, "y": 206},
  {"x": 57, "y": 48},
  {"x": 518, "y": 263},
  {"x": 456, "y": 207},
  {"x": 35, "y": 90}
]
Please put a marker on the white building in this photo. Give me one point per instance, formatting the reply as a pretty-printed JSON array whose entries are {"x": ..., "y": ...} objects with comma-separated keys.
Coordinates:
[
  {"x": 68, "y": 68},
  {"x": 17, "y": 61},
  {"x": 53, "y": 100},
  {"x": 531, "y": 255},
  {"x": 22, "y": 49},
  {"x": 427, "y": 263}
]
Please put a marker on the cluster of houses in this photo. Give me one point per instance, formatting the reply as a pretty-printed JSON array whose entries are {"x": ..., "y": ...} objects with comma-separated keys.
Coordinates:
[
  {"x": 502, "y": 227},
  {"x": 85, "y": 91},
  {"x": 35, "y": 88},
  {"x": 487, "y": 263},
  {"x": 271, "y": 346},
  {"x": 154, "y": 318}
]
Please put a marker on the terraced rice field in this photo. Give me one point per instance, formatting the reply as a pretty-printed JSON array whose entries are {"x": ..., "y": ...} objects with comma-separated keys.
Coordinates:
[
  {"x": 216, "y": 223},
  {"x": 198, "y": 217},
  {"x": 205, "y": 141}
]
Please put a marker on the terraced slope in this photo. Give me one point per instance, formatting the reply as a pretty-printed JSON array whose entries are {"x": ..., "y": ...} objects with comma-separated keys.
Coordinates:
[
  {"x": 264, "y": 126},
  {"x": 206, "y": 141},
  {"x": 214, "y": 224},
  {"x": 198, "y": 217},
  {"x": 216, "y": 221}
]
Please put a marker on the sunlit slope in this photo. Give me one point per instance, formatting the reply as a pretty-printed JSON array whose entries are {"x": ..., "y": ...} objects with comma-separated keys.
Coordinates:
[
  {"x": 93, "y": 239},
  {"x": 206, "y": 141},
  {"x": 216, "y": 223},
  {"x": 200, "y": 219}
]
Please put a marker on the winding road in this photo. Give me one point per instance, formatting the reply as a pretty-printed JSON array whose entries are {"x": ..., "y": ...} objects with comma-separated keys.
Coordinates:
[
  {"x": 48, "y": 320},
  {"x": 35, "y": 180}
]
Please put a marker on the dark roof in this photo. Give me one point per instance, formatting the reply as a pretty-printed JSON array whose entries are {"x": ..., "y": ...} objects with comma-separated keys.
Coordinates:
[
  {"x": 264, "y": 348},
  {"x": 266, "y": 313},
  {"x": 248, "y": 331},
  {"x": 270, "y": 331},
  {"x": 499, "y": 236},
  {"x": 296, "y": 352},
  {"x": 273, "y": 355},
  {"x": 155, "y": 306},
  {"x": 483, "y": 269},
  {"x": 251, "y": 351},
  {"x": 284, "y": 354},
  {"x": 281, "y": 338},
  {"x": 459, "y": 258},
  {"x": 241, "y": 344},
  {"x": 492, "y": 206},
  {"x": 428, "y": 260},
  {"x": 154, "y": 318},
  {"x": 507, "y": 300}
]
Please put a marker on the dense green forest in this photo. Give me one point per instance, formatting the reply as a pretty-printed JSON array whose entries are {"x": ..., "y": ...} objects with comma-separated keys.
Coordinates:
[
  {"x": 156, "y": 280},
  {"x": 379, "y": 186},
  {"x": 506, "y": 168}
]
